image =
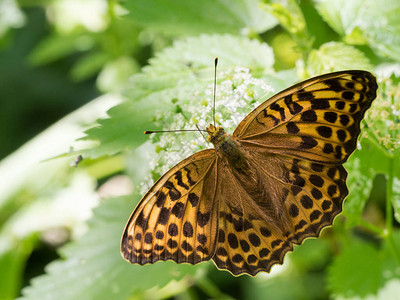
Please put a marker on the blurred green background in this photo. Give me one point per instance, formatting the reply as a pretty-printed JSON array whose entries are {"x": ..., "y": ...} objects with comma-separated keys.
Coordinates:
[{"x": 87, "y": 77}]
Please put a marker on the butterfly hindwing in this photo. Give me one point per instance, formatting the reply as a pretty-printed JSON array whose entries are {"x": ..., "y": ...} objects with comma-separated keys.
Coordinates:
[
  {"x": 252, "y": 225},
  {"x": 177, "y": 218},
  {"x": 315, "y": 196},
  {"x": 279, "y": 202}
]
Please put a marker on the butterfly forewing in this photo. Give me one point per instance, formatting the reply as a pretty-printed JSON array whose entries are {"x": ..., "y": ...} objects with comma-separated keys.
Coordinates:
[
  {"x": 318, "y": 119},
  {"x": 176, "y": 219}
]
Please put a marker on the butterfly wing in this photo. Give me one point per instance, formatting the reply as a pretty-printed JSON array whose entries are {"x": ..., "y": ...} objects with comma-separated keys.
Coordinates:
[
  {"x": 252, "y": 226},
  {"x": 317, "y": 119},
  {"x": 297, "y": 141},
  {"x": 177, "y": 218}
]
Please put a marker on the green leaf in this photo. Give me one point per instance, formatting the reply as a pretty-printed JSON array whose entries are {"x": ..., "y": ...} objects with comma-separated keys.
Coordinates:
[
  {"x": 289, "y": 15},
  {"x": 381, "y": 27},
  {"x": 396, "y": 198},
  {"x": 360, "y": 184},
  {"x": 313, "y": 254},
  {"x": 341, "y": 15},
  {"x": 357, "y": 271},
  {"x": 175, "y": 73},
  {"x": 12, "y": 263},
  {"x": 55, "y": 47},
  {"x": 181, "y": 17},
  {"x": 391, "y": 255},
  {"x": 93, "y": 267},
  {"x": 89, "y": 65},
  {"x": 115, "y": 73},
  {"x": 335, "y": 56},
  {"x": 366, "y": 21}
]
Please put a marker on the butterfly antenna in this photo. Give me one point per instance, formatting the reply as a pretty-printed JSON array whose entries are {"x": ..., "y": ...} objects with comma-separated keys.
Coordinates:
[
  {"x": 201, "y": 132},
  {"x": 215, "y": 85},
  {"x": 178, "y": 130}
]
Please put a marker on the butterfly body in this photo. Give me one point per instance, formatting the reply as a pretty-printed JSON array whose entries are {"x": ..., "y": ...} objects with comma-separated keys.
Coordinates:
[
  {"x": 228, "y": 149},
  {"x": 275, "y": 181}
]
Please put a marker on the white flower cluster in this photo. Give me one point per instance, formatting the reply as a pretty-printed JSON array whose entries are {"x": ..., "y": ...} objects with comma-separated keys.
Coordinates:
[
  {"x": 236, "y": 96},
  {"x": 383, "y": 121}
]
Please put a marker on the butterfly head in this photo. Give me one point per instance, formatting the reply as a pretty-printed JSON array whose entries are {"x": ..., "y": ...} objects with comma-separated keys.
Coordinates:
[{"x": 216, "y": 134}]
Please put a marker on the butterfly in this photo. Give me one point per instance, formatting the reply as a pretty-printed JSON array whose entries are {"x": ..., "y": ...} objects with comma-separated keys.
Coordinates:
[{"x": 278, "y": 179}]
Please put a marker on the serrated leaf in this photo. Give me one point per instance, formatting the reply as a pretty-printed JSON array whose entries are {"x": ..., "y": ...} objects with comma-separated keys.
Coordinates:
[
  {"x": 193, "y": 54},
  {"x": 175, "y": 73},
  {"x": 93, "y": 267},
  {"x": 181, "y": 17},
  {"x": 335, "y": 56},
  {"x": 357, "y": 271}
]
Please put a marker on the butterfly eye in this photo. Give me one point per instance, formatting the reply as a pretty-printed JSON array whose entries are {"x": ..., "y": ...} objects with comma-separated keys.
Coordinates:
[{"x": 210, "y": 129}]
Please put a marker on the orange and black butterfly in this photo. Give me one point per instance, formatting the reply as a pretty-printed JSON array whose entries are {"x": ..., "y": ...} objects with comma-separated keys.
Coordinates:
[{"x": 278, "y": 179}]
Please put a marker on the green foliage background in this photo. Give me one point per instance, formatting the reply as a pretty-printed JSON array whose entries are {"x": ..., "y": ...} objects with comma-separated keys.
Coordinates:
[{"x": 106, "y": 68}]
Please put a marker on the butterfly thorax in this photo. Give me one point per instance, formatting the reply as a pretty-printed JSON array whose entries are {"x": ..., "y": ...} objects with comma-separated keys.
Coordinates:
[{"x": 228, "y": 148}]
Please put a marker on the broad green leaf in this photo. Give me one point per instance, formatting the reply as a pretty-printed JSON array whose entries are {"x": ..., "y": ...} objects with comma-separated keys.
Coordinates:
[
  {"x": 192, "y": 54},
  {"x": 181, "y": 17},
  {"x": 357, "y": 271},
  {"x": 175, "y": 73},
  {"x": 93, "y": 268},
  {"x": 289, "y": 15},
  {"x": 55, "y": 47},
  {"x": 124, "y": 128},
  {"x": 366, "y": 21},
  {"x": 341, "y": 15},
  {"x": 335, "y": 56},
  {"x": 381, "y": 27}
]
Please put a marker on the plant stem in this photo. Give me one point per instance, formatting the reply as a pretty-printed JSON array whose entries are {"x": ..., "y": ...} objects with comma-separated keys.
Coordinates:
[
  {"x": 211, "y": 289},
  {"x": 388, "y": 234},
  {"x": 372, "y": 227},
  {"x": 389, "y": 192}
]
